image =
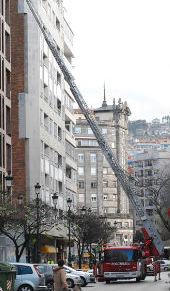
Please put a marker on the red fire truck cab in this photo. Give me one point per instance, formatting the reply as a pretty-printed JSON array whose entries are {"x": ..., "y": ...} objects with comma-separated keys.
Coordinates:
[{"x": 123, "y": 263}]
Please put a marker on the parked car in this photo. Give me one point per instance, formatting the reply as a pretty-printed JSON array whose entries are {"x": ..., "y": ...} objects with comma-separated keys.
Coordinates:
[
  {"x": 90, "y": 272},
  {"x": 85, "y": 277},
  {"x": 28, "y": 278},
  {"x": 92, "y": 276},
  {"x": 165, "y": 266},
  {"x": 47, "y": 270}
]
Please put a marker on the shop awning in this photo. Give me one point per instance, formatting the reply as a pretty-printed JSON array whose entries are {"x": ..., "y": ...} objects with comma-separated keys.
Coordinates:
[
  {"x": 46, "y": 249},
  {"x": 60, "y": 233}
]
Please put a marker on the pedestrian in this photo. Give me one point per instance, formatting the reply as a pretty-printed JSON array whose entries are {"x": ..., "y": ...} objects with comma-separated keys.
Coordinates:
[{"x": 59, "y": 277}]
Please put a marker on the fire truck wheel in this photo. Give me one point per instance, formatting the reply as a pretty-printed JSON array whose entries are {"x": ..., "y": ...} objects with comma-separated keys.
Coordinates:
[
  {"x": 107, "y": 281},
  {"x": 143, "y": 277}
]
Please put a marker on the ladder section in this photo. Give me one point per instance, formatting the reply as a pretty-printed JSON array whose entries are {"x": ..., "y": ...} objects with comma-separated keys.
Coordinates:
[{"x": 127, "y": 186}]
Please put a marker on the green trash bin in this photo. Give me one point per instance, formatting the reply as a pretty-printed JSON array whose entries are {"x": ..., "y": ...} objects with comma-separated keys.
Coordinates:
[{"x": 7, "y": 277}]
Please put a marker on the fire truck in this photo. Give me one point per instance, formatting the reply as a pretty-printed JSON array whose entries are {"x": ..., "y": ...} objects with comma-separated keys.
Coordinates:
[
  {"x": 155, "y": 245},
  {"x": 124, "y": 263}
]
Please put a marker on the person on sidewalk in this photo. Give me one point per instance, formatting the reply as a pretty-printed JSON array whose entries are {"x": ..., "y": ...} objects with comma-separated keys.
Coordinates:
[{"x": 59, "y": 277}]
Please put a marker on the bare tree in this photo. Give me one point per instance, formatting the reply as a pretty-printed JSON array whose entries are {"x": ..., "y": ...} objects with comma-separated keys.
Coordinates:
[
  {"x": 19, "y": 223},
  {"x": 158, "y": 188},
  {"x": 160, "y": 191},
  {"x": 88, "y": 229}
]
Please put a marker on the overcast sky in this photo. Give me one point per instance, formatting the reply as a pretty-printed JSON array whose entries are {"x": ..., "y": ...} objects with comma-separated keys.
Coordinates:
[{"x": 125, "y": 43}]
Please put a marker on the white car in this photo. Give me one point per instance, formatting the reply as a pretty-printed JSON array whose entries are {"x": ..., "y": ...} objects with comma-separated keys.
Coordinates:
[
  {"x": 92, "y": 276},
  {"x": 90, "y": 272},
  {"x": 84, "y": 276},
  {"x": 165, "y": 266}
]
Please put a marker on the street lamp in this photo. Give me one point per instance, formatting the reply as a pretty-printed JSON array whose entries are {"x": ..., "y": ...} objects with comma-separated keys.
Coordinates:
[
  {"x": 9, "y": 178},
  {"x": 37, "y": 192},
  {"x": 83, "y": 210},
  {"x": 115, "y": 224},
  {"x": 69, "y": 201},
  {"x": 89, "y": 211},
  {"x": 20, "y": 200},
  {"x": 55, "y": 201}
]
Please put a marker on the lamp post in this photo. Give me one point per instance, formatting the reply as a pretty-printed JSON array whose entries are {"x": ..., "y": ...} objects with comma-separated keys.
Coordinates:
[
  {"x": 69, "y": 201},
  {"x": 20, "y": 200},
  {"x": 9, "y": 178},
  {"x": 115, "y": 229},
  {"x": 55, "y": 201},
  {"x": 83, "y": 210},
  {"x": 37, "y": 192}
]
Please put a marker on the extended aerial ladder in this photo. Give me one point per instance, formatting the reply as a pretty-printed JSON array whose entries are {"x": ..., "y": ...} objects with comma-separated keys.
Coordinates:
[{"x": 127, "y": 185}]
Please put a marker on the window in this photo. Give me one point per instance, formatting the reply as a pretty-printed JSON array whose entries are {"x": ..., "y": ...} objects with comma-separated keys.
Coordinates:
[
  {"x": 80, "y": 157},
  {"x": 126, "y": 224},
  {"x": 105, "y": 184},
  {"x": 55, "y": 130},
  {"x": 57, "y": 24},
  {"x": 81, "y": 170},
  {"x": 93, "y": 197},
  {"x": 51, "y": 126},
  {"x": 119, "y": 224},
  {"x": 41, "y": 117},
  {"x": 93, "y": 158},
  {"x": 89, "y": 130},
  {"x": 148, "y": 163},
  {"x": 114, "y": 197},
  {"x": 81, "y": 198},
  {"x": 104, "y": 170},
  {"x": 78, "y": 130},
  {"x": 105, "y": 197},
  {"x": 25, "y": 270},
  {"x": 81, "y": 184},
  {"x": 104, "y": 130},
  {"x": 114, "y": 184},
  {"x": 113, "y": 131},
  {"x": 93, "y": 170},
  {"x": 113, "y": 145},
  {"x": 16, "y": 268},
  {"x": 97, "y": 118},
  {"x": 87, "y": 142},
  {"x": 105, "y": 210},
  {"x": 93, "y": 184}
]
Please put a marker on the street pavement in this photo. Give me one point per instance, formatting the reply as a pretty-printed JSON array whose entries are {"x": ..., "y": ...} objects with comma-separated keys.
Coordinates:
[{"x": 131, "y": 285}]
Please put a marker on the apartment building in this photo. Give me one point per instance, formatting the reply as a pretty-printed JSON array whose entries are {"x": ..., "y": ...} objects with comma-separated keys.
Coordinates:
[
  {"x": 5, "y": 106},
  {"x": 149, "y": 168},
  {"x": 98, "y": 187},
  {"x": 5, "y": 95},
  {"x": 42, "y": 106}
]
